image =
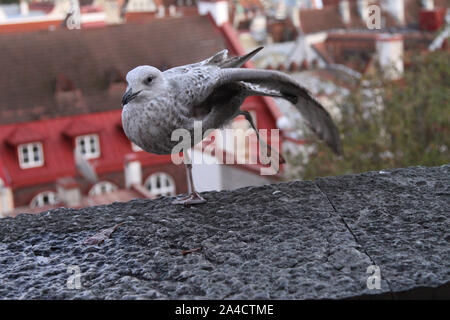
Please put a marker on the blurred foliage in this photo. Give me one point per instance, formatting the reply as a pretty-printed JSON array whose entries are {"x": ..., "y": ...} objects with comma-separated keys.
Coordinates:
[
  {"x": 390, "y": 124},
  {"x": 8, "y": 1}
]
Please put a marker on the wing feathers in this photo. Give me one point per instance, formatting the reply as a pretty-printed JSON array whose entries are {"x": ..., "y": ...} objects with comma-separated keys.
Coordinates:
[
  {"x": 274, "y": 83},
  {"x": 237, "y": 62}
]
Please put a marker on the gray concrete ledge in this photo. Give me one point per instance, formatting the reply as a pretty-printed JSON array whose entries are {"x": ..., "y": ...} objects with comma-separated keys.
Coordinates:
[{"x": 296, "y": 240}]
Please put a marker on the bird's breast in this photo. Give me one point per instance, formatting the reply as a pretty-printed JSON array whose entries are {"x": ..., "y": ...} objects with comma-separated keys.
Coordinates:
[{"x": 151, "y": 128}]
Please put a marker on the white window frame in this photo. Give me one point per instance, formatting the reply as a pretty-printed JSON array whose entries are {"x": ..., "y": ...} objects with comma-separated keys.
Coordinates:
[
  {"x": 102, "y": 187},
  {"x": 85, "y": 147},
  {"x": 38, "y": 200},
  {"x": 166, "y": 187},
  {"x": 31, "y": 163}
]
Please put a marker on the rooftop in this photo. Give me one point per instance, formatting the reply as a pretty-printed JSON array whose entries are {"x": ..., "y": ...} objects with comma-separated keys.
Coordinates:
[{"x": 93, "y": 63}]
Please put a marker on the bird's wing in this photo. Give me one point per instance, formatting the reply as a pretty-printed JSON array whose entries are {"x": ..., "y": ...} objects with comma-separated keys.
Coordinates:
[
  {"x": 219, "y": 60},
  {"x": 278, "y": 84},
  {"x": 222, "y": 60}
]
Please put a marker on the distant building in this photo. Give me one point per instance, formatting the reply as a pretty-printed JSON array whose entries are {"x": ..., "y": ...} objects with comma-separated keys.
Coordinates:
[
  {"x": 313, "y": 35},
  {"x": 63, "y": 89},
  {"x": 49, "y": 15}
]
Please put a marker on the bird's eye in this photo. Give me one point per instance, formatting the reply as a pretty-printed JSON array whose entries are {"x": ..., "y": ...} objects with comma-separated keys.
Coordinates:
[{"x": 148, "y": 80}]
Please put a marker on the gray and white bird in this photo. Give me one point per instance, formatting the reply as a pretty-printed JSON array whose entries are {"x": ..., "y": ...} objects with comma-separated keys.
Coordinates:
[{"x": 157, "y": 103}]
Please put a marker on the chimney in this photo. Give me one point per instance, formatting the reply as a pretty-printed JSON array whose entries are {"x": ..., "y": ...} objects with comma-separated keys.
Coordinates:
[
  {"x": 217, "y": 8},
  {"x": 344, "y": 10},
  {"x": 161, "y": 11},
  {"x": 295, "y": 16},
  {"x": 396, "y": 8},
  {"x": 3, "y": 16},
  {"x": 433, "y": 19},
  {"x": 133, "y": 171},
  {"x": 390, "y": 55},
  {"x": 172, "y": 10},
  {"x": 112, "y": 12},
  {"x": 24, "y": 9},
  {"x": 317, "y": 4},
  {"x": 428, "y": 4},
  {"x": 68, "y": 191},
  {"x": 363, "y": 11}
]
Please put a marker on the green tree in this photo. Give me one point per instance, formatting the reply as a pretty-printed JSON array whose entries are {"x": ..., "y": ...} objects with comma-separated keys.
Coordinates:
[{"x": 391, "y": 124}]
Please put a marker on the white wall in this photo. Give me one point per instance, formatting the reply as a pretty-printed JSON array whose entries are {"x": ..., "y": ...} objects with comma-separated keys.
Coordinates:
[
  {"x": 207, "y": 177},
  {"x": 390, "y": 56},
  {"x": 6, "y": 200},
  {"x": 218, "y": 10}
]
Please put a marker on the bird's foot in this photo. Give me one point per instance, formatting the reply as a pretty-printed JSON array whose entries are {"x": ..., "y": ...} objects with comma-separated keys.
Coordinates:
[{"x": 193, "y": 198}]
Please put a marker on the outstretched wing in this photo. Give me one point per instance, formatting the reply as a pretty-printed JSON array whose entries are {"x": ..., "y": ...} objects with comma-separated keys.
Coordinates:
[
  {"x": 278, "y": 84},
  {"x": 222, "y": 60}
]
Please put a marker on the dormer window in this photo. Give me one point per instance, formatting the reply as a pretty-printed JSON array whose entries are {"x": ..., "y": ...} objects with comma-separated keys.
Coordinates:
[
  {"x": 115, "y": 82},
  {"x": 46, "y": 198},
  {"x": 102, "y": 187},
  {"x": 160, "y": 184},
  {"x": 66, "y": 94},
  {"x": 88, "y": 145},
  {"x": 113, "y": 75},
  {"x": 30, "y": 155}
]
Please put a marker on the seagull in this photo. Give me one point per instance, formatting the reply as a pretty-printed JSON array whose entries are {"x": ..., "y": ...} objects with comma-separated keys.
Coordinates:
[{"x": 211, "y": 91}]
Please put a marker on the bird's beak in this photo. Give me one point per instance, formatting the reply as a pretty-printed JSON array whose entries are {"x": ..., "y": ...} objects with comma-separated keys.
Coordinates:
[{"x": 128, "y": 96}]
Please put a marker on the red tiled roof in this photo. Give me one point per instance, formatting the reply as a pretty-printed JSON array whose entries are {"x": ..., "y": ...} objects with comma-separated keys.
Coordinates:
[
  {"x": 321, "y": 49},
  {"x": 328, "y": 18},
  {"x": 30, "y": 62},
  {"x": 413, "y": 7},
  {"x": 78, "y": 128},
  {"x": 44, "y": 6},
  {"x": 24, "y": 134}
]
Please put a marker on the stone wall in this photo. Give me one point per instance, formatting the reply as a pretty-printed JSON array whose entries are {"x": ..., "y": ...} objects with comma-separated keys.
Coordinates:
[{"x": 302, "y": 239}]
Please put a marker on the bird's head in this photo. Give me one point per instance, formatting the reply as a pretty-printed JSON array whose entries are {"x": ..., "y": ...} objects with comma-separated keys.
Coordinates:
[{"x": 143, "y": 81}]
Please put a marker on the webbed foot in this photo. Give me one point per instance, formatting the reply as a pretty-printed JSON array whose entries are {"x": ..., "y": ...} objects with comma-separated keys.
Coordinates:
[{"x": 193, "y": 198}]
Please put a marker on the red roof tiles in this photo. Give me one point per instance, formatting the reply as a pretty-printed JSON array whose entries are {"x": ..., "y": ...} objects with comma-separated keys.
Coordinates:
[
  {"x": 78, "y": 128},
  {"x": 31, "y": 62},
  {"x": 24, "y": 134}
]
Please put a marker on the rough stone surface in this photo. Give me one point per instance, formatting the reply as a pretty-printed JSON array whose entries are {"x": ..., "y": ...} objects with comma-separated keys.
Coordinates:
[{"x": 296, "y": 240}]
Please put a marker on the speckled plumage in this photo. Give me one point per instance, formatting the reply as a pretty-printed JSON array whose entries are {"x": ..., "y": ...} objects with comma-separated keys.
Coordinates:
[{"x": 211, "y": 91}]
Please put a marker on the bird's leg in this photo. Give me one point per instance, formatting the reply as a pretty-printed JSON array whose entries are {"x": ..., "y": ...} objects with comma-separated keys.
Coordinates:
[
  {"x": 193, "y": 197},
  {"x": 249, "y": 118}
]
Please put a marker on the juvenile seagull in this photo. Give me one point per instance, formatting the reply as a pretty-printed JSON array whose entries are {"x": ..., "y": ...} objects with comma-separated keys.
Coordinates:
[{"x": 157, "y": 103}]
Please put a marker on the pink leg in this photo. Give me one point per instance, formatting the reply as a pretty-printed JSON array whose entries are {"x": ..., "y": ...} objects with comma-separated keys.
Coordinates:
[{"x": 193, "y": 197}]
